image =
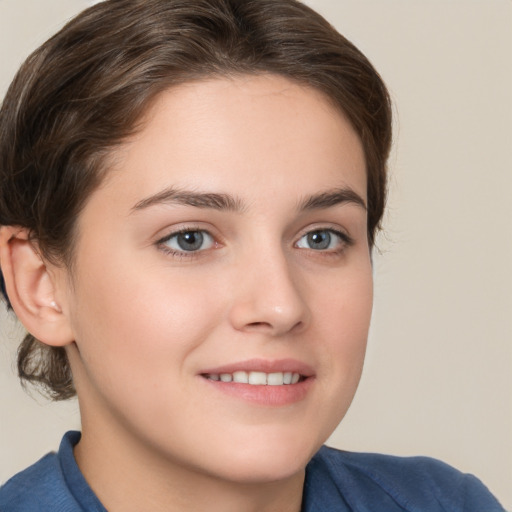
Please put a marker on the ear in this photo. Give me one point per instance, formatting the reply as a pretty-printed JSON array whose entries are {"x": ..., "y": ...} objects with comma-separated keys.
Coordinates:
[{"x": 32, "y": 288}]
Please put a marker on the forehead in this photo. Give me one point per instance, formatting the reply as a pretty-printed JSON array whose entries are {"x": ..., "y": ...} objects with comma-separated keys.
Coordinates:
[{"x": 236, "y": 132}]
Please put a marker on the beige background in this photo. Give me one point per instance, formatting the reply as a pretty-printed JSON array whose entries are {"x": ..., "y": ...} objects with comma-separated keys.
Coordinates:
[{"x": 438, "y": 378}]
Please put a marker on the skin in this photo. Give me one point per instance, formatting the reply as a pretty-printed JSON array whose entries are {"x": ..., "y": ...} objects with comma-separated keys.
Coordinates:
[{"x": 146, "y": 320}]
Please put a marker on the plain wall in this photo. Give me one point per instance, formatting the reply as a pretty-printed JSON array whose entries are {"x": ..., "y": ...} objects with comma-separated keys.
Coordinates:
[{"x": 438, "y": 377}]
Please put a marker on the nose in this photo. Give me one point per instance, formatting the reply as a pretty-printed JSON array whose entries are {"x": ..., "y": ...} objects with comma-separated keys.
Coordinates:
[{"x": 268, "y": 298}]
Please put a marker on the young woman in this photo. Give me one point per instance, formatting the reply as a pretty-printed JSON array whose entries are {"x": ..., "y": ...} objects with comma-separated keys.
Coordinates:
[{"x": 190, "y": 195}]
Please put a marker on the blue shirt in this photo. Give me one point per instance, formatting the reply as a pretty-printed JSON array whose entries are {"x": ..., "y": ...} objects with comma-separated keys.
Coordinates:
[{"x": 336, "y": 481}]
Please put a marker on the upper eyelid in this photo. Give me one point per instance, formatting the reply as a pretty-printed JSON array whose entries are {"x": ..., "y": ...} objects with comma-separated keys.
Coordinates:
[
  {"x": 344, "y": 233},
  {"x": 170, "y": 232},
  {"x": 182, "y": 231},
  {"x": 344, "y": 237}
]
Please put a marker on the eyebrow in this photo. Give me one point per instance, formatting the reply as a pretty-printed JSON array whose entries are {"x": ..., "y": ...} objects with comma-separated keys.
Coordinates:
[
  {"x": 227, "y": 202},
  {"x": 208, "y": 200},
  {"x": 331, "y": 198}
]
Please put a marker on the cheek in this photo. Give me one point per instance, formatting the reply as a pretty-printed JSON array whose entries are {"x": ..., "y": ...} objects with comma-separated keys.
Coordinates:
[
  {"x": 343, "y": 316},
  {"x": 133, "y": 320},
  {"x": 340, "y": 322},
  {"x": 347, "y": 302},
  {"x": 135, "y": 333}
]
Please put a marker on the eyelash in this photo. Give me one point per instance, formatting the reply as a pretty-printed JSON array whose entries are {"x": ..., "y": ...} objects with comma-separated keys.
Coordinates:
[
  {"x": 345, "y": 241},
  {"x": 181, "y": 254}
]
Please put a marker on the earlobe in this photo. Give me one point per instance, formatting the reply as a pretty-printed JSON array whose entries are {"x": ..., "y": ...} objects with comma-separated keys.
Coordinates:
[{"x": 31, "y": 288}]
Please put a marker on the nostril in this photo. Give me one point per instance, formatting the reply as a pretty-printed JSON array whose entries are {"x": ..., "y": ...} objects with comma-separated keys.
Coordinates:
[
  {"x": 269, "y": 326},
  {"x": 259, "y": 324}
]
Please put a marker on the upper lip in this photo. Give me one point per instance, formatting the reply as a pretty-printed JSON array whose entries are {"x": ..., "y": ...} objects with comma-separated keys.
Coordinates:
[{"x": 263, "y": 365}]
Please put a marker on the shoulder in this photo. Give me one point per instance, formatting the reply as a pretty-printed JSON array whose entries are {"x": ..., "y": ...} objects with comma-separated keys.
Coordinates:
[
  {"x": 40, "y": 487},
  {"x": 404, "y": 483},
  {"x": 33, "y": 489}
]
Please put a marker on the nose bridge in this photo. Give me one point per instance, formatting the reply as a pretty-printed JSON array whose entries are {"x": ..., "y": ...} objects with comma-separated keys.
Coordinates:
[{"x": 269, "y": 295}]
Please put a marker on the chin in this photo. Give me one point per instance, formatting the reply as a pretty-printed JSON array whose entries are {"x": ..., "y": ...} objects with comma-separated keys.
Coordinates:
[
  {"x": 265, "y": 471},
  {"x": 268, "y": 460}
]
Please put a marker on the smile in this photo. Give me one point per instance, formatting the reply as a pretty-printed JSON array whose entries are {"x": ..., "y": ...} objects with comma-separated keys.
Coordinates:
[
  {"x": 255, "y": 378},
  {"x": 264, "y": 382}
]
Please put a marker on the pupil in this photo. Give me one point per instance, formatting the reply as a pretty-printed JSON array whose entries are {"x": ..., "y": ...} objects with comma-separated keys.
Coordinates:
[
  {"x": 319, "y": 240},
  {"x": 190, "y": 241}
]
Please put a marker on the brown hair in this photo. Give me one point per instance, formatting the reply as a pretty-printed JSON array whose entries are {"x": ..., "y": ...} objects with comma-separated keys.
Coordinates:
[{"x": 85, "y": 89}]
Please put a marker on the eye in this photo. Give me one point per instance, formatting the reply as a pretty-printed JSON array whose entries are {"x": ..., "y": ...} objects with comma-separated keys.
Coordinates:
[
  {"x": 323, "y": 240},
  {"x": 193, "y": 240}
]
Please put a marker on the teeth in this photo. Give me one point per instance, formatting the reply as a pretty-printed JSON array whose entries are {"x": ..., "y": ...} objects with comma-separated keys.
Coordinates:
[
  {"x": 257, "y": 378},
  {"x": 241, "y": 377},
  {"x": 275, "y": 379}
]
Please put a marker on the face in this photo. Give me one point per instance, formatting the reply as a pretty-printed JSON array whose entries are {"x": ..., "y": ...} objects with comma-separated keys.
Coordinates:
[{"x": 222, "y": 289}]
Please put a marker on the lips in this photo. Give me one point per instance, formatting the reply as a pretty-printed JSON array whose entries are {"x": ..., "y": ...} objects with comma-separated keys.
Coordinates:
[{"x": 266, "y": 382}]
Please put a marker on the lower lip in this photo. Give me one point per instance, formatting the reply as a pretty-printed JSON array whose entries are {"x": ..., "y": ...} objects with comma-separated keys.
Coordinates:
[{"x": 270, "y": 396}]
